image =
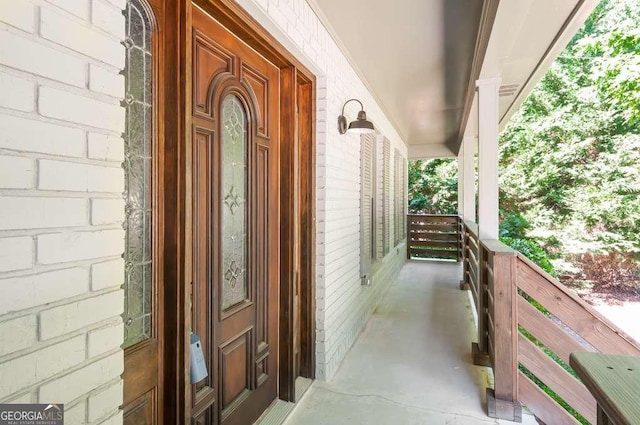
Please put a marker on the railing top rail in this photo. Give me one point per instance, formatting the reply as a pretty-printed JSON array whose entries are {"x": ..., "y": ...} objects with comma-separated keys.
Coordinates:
[
  {"x": 497, "y": 247},
  {"x": 472, "y": 227},
  {"x": 433, "y": 215},
  {"x": 569, "y": 293}
]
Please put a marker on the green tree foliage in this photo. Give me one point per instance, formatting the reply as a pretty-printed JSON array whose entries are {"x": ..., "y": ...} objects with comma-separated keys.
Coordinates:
[
  {"x": 570, "y": 157},
  {"x": 433, "y": 186}
]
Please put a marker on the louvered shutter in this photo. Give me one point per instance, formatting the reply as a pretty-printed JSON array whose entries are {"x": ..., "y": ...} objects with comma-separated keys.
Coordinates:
[
  {"x": 367, "y": 176},
  {"x": 379, "y": 199},
  {"x": 397, "y": 198},
  {"x": 386, "y": 198}
]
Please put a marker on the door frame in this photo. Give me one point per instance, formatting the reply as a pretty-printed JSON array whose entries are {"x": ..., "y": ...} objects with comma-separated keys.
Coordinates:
[{"x": 297, "y": 218}]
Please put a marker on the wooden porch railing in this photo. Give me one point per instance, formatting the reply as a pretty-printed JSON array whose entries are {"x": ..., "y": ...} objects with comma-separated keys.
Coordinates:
[
  {"x": 528, "y": 325},
  {"x": 434, "y": 236}
]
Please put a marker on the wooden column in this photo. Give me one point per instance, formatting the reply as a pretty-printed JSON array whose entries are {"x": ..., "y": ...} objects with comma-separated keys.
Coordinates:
[
  {"x": 502, "y": 329},
  {"x": 488, "y": 120}
]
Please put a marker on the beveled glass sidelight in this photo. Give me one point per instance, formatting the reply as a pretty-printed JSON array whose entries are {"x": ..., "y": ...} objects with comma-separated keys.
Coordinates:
[
  {"x": 234, "y": 206},
  {"x": 138, "y": 282}
]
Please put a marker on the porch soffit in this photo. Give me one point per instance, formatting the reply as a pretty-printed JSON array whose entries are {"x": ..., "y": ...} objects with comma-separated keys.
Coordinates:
[
  {"x": 416, "y": 57},
  {"x": 527, "y": 37}
]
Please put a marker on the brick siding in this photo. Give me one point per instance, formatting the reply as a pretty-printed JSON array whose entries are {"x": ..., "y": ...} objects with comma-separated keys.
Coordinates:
[{"x": 61, "y": 186}]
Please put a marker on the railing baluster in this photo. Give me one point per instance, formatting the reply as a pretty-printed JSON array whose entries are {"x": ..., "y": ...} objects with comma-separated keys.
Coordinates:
[{"x": 480, "y": 350}]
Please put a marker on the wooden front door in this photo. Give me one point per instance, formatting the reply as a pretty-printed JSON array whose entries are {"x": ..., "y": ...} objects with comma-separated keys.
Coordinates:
[{"x": 235, "y": 237}]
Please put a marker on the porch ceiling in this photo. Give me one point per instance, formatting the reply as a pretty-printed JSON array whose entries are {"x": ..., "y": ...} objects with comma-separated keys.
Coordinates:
[
  {"x": 414, "y": 55},
  {"x": 417, "y": 57}
]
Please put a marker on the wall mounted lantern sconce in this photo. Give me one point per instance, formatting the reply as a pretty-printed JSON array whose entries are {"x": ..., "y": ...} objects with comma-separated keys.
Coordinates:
[{"x": 359, "y": 126}]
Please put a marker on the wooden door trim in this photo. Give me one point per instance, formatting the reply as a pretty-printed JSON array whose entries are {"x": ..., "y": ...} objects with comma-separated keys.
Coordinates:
[
  {"x": 307, "y": 224},
  {"x": 297, "y": 231},
  {"x": 231, "y": 15},
  {"x": 173, "y": 59},
  {"x": 288, "y": 221}
]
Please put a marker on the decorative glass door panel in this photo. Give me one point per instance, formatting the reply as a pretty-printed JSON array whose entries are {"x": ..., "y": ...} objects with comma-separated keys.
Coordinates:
[
  {"x": 143, "y": 394},
  {"x": 234, "y": 214},
  {"x": 137, "y": 165}
]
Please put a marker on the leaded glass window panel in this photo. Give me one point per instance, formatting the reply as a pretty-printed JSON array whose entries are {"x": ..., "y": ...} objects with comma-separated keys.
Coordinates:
[
  {"x": 138, "y": 282},
  {"x": 234, "y": 222}
]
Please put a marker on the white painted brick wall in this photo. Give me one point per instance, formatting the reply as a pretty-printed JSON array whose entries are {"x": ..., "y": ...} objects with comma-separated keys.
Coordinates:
[
  {"x": 26, "y": 370},
  {"x": 17, "y": 334},
  {"x": 24, "y": 292},
  {"x": 105, "y": 339},
  {"x": 61, "y": 205},
  {"x": 17, "y": 93},
  {"x": 19, "y": 15},
  {"x": 42, "y": 60},
  {"x": 21, "y": 212},
  {"x": 77, "y": 35},
  {"x": 82, "y": 381},
  {"x": 80, "y": 109},
  {"x": 343, "y": 305},
  {"x": 16, "y": 173},
  {"x": 106, "y": 211},
  {"x": 101, "y": 404},
  {"x": 107, "y": 274},
  {"x": 32, "y": 135},
  {"x": 16, "y": 253},
  {"x": 79, "y": 8},
  {"x": 105, "y": 147},
  {"x": 76, "y": 315},
  {"x": 72, "y": 176}
]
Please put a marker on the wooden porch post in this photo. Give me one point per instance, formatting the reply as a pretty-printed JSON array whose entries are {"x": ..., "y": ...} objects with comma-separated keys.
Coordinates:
[{"x": 502, "y": 401}]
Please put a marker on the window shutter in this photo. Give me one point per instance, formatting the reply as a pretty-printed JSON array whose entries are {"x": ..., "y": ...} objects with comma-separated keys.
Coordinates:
[
  {"x": 367, "y": 176},
  {"x": 378, "y": 222},
  {"x": 386, "y": 198},
  {"x": 397, "y": 198}
]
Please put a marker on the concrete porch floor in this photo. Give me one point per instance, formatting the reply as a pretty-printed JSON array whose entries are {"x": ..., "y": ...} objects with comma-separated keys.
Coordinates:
[{"x": 411, "y": 364}]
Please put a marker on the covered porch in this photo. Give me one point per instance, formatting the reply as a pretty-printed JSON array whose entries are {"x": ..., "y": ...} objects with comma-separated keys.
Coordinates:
[{"x": 412, "y": 364}]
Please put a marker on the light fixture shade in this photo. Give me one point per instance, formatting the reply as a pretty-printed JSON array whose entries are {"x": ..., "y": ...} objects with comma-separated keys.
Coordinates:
[{"x": 361, "y": 125}]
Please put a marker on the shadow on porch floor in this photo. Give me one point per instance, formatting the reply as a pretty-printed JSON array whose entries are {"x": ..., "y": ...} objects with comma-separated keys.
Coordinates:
[{"x": 411, "y": 364}]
